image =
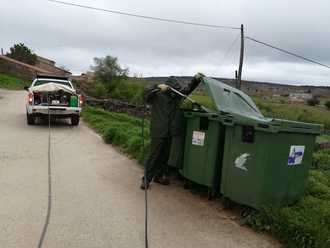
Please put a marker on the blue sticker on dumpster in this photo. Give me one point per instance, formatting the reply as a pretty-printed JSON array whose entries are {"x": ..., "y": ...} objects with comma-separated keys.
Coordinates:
[{"x": 296, "y": 155}]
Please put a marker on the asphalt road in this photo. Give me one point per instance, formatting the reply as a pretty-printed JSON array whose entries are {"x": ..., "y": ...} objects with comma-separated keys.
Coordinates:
[{"x": 96, "y": 199}]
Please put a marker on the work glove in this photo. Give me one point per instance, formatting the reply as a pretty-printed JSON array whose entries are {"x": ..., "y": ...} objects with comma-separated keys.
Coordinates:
[
  {"x": 199, "y": 76},
  {"x": 163, "y": 87}
]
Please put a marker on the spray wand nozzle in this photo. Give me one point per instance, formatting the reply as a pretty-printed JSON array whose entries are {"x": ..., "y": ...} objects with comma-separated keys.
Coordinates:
[{"x": 189, "y": 98}]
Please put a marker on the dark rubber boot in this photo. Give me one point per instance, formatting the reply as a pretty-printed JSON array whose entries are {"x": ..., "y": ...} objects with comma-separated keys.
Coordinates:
[
  {"x": 162, "y": 180},
  {"x": 143, "y": 185}
]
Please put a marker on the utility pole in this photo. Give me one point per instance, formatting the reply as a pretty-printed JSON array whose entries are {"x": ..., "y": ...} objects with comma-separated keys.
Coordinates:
[{"x": 241, "y": 57}]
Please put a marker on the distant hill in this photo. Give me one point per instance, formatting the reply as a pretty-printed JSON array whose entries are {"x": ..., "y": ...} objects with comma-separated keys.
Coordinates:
[{"x": 260, "y": 88}]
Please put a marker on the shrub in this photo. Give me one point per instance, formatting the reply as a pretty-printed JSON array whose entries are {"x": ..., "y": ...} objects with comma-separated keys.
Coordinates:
[
  {"x": 130, "y": 91},
  {"x": 313, "y": 101},
  {"x": 99, "y": 90},
  {"x": 321, "y": 160},
  {"x": 327, "y": 105}
]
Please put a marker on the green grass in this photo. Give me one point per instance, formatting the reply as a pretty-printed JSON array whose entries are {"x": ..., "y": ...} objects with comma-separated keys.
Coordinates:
[
  {"x": 119, "y": 129},
  {"x": 302, "y": 113},
  {"x": 323, "y": 138},
  {"x": 12, "y": 83}
]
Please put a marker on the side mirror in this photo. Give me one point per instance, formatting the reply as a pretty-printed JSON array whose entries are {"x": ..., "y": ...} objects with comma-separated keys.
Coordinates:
[{"x": 26, "y": 88}]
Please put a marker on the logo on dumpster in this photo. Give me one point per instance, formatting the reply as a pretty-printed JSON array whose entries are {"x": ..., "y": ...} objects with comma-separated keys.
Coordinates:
[
  {"x": 296, "y": 155},
  {"x": 241, "y": 160}
]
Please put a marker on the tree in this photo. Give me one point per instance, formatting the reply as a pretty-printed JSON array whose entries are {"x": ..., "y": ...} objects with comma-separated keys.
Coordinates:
[
  {"x": 22, "y": 53},
  {"x": 108, "y": 71}
]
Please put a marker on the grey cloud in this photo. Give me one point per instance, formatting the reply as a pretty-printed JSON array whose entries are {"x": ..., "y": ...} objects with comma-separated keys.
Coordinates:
[{"x": 73, "y": 36}]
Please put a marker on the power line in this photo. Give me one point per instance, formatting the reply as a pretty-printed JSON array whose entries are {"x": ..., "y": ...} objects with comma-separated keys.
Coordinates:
[
  {"x": 287, "y": 52},
  {"x": 146, "y": 17}
]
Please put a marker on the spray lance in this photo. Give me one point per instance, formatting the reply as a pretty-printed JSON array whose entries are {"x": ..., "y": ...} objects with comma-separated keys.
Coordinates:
[{"x": 190, "y": 99}]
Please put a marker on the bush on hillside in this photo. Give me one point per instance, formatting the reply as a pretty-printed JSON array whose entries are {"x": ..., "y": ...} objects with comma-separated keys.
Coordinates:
[
  {"x": 98, "y": 90},
  {"x": 327, "y": 105},
  {"x": 129, "y": 91},
  {"x": 313, "y": 101}
]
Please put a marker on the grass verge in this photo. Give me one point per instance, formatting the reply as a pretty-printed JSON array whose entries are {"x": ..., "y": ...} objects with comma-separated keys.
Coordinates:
[
  {"x": 119, "y": 129},
  {"x": 12, "y": 83}
]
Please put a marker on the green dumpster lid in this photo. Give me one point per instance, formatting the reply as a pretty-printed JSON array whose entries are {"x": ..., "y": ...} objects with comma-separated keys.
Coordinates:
[{"x": 231, "y": 100}]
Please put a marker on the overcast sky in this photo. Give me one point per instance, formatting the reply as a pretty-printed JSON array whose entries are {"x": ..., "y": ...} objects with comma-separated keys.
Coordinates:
[{"x": 73, "y": 36}]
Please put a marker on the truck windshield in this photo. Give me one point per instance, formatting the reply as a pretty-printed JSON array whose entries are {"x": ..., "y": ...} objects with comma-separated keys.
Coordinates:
[{"x": 41, "y": 82}]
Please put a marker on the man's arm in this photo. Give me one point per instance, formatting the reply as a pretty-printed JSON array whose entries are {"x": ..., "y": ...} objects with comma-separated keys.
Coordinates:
[
  {"x": 151, "y": 91},
  {"x": 193, "y": 84}
]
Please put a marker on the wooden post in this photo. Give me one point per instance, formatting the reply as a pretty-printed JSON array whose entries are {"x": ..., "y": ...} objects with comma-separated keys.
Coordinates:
[
  {"x": 236, "y": 80},
  {"x": 241, "y": 57}
]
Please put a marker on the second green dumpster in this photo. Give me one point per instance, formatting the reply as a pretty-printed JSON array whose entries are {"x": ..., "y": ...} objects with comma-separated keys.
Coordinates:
[{"x": 265, "y": 161}]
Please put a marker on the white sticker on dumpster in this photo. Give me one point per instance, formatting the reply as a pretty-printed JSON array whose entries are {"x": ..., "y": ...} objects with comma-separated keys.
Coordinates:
[
  {"x": 198, "y": 138},
  {"x": 296, "y": 155}
]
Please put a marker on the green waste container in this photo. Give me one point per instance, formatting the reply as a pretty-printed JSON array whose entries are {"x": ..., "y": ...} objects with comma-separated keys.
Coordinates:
[
  {"x": 203, "y": 148},
  {"x": 176, "y": 152},
  {"x": 177, "y": 142},
  {"x": 265, "y": 161},
  {"x": 73, "y": 101}
]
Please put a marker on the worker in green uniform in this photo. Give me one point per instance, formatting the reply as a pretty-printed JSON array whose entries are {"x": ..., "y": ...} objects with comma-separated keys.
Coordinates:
[{"x": 165, "y": 111}]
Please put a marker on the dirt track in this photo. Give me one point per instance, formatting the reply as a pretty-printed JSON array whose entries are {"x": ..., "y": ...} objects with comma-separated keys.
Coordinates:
[{"x": 96, "y": 199}]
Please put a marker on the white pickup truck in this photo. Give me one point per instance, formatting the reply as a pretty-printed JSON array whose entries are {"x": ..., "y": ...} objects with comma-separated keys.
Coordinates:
[{"x": 54, "y": 96}]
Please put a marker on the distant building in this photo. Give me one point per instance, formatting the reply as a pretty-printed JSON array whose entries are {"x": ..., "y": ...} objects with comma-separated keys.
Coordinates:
[
  {"x": 50, "y": 66},
  {"x": 303, "y": 96}
]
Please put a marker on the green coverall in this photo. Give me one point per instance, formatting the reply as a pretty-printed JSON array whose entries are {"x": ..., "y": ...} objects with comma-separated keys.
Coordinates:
[{"x": 165, "y": 124}]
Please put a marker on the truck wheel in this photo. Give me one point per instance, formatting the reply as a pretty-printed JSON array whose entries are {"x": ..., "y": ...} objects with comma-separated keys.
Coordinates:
[
  {"x": 30, "y": 119},
  {"x": 75, "y": 120}
]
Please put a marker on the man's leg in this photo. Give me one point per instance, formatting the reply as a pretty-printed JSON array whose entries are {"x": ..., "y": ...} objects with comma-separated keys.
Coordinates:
[
  {"x": 162, "y": 174},
  {"x": 152, "y": 164}
]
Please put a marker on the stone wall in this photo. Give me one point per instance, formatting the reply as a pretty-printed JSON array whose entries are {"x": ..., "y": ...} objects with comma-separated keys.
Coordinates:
[
  {"x": 117, "y": 106},
  {"x": 254, "y": 88}
]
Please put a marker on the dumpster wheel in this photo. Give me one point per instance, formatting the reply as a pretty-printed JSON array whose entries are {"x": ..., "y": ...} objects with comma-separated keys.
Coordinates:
[
  {"x": 211, "y": 193},
  {"x": 186, "y": 184}
]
